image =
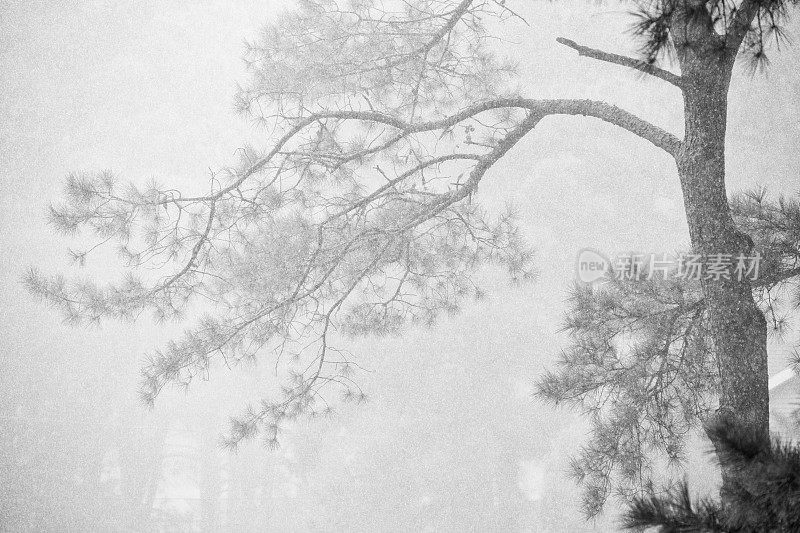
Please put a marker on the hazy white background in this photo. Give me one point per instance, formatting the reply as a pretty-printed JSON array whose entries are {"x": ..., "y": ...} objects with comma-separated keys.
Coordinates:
[{"x": 145, "y": 89}]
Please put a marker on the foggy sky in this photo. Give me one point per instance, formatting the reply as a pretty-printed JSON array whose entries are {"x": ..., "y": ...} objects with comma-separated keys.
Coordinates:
[{"x": 145, "y": 89}]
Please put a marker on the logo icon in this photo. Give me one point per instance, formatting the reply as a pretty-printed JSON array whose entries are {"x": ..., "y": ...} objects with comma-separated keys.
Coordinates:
[{"x": 591, "y": 265}]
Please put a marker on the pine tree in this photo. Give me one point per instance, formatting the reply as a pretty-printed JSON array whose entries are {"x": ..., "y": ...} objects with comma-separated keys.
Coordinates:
[
  {"x": 762, "y": 496},
  {"x": 653, "y": 335},
  {"x": 359, "y": 215}
]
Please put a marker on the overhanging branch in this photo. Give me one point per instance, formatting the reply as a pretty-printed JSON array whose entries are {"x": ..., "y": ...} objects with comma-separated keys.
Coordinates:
[
  {"x": 637, "y": 64},
  {"x": 613, "y": 115},
  {"x": 545, "y": 107}
]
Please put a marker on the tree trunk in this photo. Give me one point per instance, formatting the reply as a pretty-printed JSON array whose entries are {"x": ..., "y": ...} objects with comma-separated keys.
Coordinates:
[{"x": 738, "y": 326}]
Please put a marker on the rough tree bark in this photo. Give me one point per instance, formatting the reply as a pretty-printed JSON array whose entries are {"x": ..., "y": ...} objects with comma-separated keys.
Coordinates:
[{"x": 739, "y": 328}]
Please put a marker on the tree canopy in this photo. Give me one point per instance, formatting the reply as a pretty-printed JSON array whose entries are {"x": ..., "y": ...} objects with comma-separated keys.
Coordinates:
[{"x": 359, "y": 216}]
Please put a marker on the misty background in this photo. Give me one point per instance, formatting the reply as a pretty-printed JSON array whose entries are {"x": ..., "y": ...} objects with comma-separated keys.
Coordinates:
[{"x": 452, "y": 438}]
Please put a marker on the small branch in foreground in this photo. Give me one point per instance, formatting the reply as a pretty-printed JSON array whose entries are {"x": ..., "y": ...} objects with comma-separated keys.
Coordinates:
[{"x": 637, "y": 64}]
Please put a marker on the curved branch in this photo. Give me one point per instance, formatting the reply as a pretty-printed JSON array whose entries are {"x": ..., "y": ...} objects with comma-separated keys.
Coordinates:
[
  {"x": 613, "y": 115},
  {"x": 625, "y": 61},
  {"x": 590, "y": 108}
]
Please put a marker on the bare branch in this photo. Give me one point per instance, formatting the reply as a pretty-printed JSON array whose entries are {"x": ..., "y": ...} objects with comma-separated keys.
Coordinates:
[
  {"x": 637, "y": 64},
  {"x": 613, "y": 115}
]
